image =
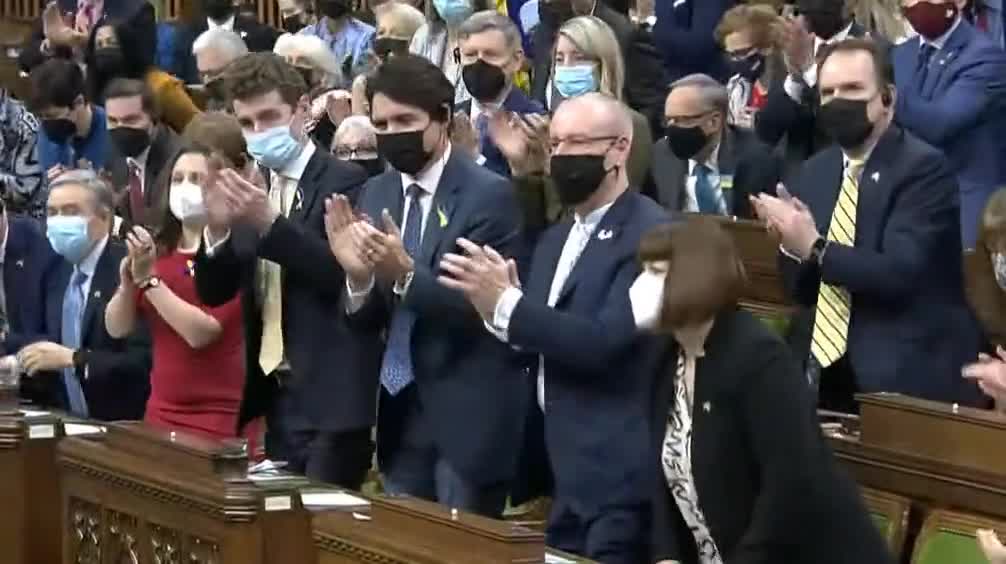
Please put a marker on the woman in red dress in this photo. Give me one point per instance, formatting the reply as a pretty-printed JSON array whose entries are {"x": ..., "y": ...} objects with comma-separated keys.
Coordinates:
[{"x": 198, "y": 370}]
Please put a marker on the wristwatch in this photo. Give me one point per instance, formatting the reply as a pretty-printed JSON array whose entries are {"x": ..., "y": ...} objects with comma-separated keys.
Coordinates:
[
  {"x": 817, "y": 250},
  {"x": 149, "y": 283}
]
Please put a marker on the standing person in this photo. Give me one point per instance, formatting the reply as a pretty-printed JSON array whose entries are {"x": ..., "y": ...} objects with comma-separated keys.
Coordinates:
[
  {"x": 198, "y": 363},
  {"x": 868, "y": 236},
  {"x": 749, "y": 37},
  {"x": 213, "y": 51},
  {"x": 451, "y": 397},
  {"x": 953, "y": 95},
  {"x": 222, "y": 14},
  {"x": 20, "y": 170},
  {"x": 573, "y": 313},
  {"x": 437, "y": 40},
  {"x": 25, "y": 259},
  {"x": 684, "y": 35},
  {"x": 313, "y": 378},
  {"x": 346, "y": 37}
]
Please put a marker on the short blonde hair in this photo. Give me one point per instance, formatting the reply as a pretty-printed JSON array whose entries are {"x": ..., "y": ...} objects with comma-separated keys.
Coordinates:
[
  {"x": 312, "y": 51},
  {"x": 759, "y": 20},
  {"x": 596, "y": 40},
  {"x": 402, "y": 19}
]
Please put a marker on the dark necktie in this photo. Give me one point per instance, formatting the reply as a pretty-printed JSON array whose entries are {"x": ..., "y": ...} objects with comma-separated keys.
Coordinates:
[
  {"x": 397, "y": 369},
  {"x": 135, "y": 188},
  {"x": 922, "y": 70}
]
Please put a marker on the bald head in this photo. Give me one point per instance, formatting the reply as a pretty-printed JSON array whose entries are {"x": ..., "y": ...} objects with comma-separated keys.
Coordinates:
[{"x": 592, "y": 115}]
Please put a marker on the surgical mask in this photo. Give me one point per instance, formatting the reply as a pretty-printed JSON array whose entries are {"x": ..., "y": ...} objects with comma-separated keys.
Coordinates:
[
  {"x": 59, "y": 130},
  {"x": 274, "y": 148},
  {"x": 931, "y": 20},
  {"x": 846, "y": 122},
  {"x": 577, "y": 177},
  {"x": 574, "y": 80},
  {"x": 68, "y": 236},
  {"x": 646, "y": 295},
  {"x": 685, "y": 142},
  {"x": 999, "y": 266},
  {"x": 404, "y": 151},
  {"x": 185, "y": 200},
  {"x": 130, "y": 141},
  {"x": 749, "y": 68},
  {"x": 453, "y": 11}
]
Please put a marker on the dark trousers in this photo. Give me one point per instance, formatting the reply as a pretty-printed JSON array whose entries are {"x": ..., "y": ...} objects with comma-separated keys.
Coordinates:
[
  {"x": 837, "y": 387},
  {"x": 617, "y": 535},
  {"x": 418, "y": 468}
]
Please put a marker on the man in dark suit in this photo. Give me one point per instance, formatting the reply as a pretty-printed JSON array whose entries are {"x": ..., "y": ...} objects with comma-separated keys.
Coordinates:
[
  {"x": 25, "y": 257},
  {"x": 952, "y": 81},
  {"x": 574, "y": 315},
  {"x": 141, "y": 148},
  {"x": 703, "y": 164},
  {"x": 869, "y": 233},
  {"x": 491, "y": 54},
  {"x": 684, "y": 35},
  {"x": 80, "y": 368},
  {"x": 313, "y": 379},
  {"x": 452, "y": 397},
  {"x": 222, "y": 14}
]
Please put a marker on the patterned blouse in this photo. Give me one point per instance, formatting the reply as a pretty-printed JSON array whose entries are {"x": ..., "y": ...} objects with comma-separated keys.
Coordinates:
[
  {"x": 20, "y": 169},
  {"x": 677, "y": 460}
]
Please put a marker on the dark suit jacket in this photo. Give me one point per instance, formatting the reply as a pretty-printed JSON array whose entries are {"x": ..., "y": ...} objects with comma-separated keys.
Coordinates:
[
  {"x": 684, "y": 36},
  {"x": 753, "y": 166},
  {"x": 768, "y": 486},
  {"x": 594, "y": 430},
  {"x": 468, "y": 382},
  {"x": 164, "y": 147},
  {"x": 257, "y": 37},
  {"x": 516, "y": 102},
  {"x": 117, "y": 379},
  {"x": 334, "y": 379},
  {"x": 904, "y": 273},
  {"x": 26, "y": 261},
  {"x": 960, "y": 110}
]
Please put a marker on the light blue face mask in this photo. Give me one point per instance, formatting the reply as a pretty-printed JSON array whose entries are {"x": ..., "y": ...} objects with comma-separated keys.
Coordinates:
[
  {"x": 68, "y": 236},
  {"x": 274, "y": 148},
  {"x": 454, "y": 11},
  {"x": 574, "y": 80}
]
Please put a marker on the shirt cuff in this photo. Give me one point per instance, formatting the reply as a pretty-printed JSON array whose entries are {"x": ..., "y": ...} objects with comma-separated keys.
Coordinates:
[
  {"x": 790, "y": 255},
  {"x": 211, "y": 245},
  {"x": 401, "y": 287},
  {"x": 504, "y": 310},
  {"x": 357, "y": 297},
  {"x": 794, "y": 89},
  {"x": 810, "y": 76},
  {"x": 480, "y": 160}
]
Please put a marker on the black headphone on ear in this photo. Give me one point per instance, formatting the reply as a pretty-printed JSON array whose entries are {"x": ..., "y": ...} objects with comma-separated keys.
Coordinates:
[{"x": 886, "y": 98}]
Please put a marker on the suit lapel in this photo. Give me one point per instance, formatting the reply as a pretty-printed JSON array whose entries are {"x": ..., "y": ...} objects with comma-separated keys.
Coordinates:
[
  {"x": 102, "y": 287},
  {"x": 604, "y": 237},
  {"x": 670, "y": 174},
  {"x": 875, "y": 188},
  {"x": 307, "y": 189},
  {"x": 726, "y": 160},
  {"x": 944, "y": 58},
  {"x": 539, "y": 286},
  {"x": 442, "y": 208},
  {"x": 13, "y": 269}
]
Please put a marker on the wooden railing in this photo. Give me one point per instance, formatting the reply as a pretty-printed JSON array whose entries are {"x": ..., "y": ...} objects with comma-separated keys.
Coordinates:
[{"x": 28, "y": 10}]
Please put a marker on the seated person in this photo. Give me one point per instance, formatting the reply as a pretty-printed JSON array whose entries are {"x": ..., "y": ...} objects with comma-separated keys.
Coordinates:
[
  {"x": 20, "y": 172},
  {"x": 356, "y": 141},
  {"x": 213, "y": 51},
  {"x": 25, "y": 257},
  {"x": 397, "y": 22},
  {"x": 80, "y": 368},
  {"x": 703, "y": 164},
  {"x": 142, "y": 147}
]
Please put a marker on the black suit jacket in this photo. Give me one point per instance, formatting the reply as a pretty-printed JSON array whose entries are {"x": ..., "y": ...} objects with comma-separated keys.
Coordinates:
[
  {"x": 468, "y": 382},
  {"x": 333, "y": 383},
  {"x": 164, "y": 147},
  {"x": 117, "y": 379},
  {"x": 751, "y": 164},
  {"x": 256, "y": 35},
  {"x": 26, "y": 261},
  {"x": 768, "y": 485}
]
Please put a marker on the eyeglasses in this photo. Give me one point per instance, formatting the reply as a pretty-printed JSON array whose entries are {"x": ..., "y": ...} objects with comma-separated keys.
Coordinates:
[
  {"x": 555, "y": 143},
  {"x": 355, "y": 154},
  {"x": 678, "y": 120}
]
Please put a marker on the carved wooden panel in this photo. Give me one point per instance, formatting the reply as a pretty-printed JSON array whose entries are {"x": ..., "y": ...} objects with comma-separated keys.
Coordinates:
[
  {"x": 165, "y": 545},
  {"x": 200, "y": 551},
  {"x": 85, "y": 526},
  {"x": 122, "y": 538}
]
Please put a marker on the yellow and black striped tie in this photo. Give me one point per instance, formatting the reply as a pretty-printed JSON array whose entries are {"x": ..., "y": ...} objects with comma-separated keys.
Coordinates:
[{"x": 831, "y": 324}]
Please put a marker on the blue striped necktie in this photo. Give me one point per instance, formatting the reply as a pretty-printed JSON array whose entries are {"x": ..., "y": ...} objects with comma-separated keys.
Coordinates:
[
  {"x": 74, "y": 302},
  {"x": 396, "y": 368},
  {"x": 706, "y": 195}
]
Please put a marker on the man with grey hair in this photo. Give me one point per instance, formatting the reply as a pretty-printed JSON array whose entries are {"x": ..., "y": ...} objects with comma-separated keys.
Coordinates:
[
  {"x": 703, "y": 164},
  {"x": 491, "y": 55},
  {"x": 81, "y": 368},
  {"x": 213, "y": 50},
  {"x": 356, "y": 141}
]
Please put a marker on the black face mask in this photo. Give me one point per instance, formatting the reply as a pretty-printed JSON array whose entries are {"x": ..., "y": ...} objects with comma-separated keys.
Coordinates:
[
  {"x": 749, "y": 68},
  {"x": 294, "y": 23},
  {"x": 685, "y": 142},
  {"x": 58, "y": 130},
  {"x": 334, "y": 9},
  {"x": 555, "y": 13},
  {"x": 825, "y": 23},
  {"x": 109, "y": 61},
  {"x": 576, "y": 177},
  {"x": 372, "y": 166},
  {"x": 215, "y": 90},
  {"x": 385, "y": 46},
  {"x": 129, "y": 140},
  {"x": 218, "y": 10},
  {"x": 308, "y": 75},
  {"x": 404, "y": 151},
  {"x": 484, "y": 81},
  {"x": 846, "y": 122}
]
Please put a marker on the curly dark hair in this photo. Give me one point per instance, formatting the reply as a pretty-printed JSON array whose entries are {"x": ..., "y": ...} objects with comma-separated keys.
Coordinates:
[{"x": 256, "y": 74}]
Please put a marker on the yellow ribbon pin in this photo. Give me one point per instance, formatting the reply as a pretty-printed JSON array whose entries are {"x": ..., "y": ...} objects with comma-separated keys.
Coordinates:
[{"x": 442, "y": 216}]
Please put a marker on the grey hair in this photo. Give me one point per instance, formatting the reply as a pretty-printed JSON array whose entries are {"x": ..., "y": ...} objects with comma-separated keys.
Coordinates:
[
  {"x": 356, "y": 122},
  {"x": 223, "y": 40},
  {"x": 488, "y": 20},
  {"x": 101, "y": 191},
  {"x": 712, "y": 92}
]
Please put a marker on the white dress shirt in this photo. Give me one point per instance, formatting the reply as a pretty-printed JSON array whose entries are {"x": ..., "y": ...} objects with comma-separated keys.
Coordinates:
[
  {"x": 227, "y": 24},
  {"x": 795, "y": 88},
  {"x": 577, "y": 240},
  {"x": 712, "y": 163}
]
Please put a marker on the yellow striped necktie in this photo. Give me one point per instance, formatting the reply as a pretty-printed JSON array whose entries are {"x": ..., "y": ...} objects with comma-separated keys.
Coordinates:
[
  {"x": 271, "y": 279},
  {"x": 831, "y": 324}
]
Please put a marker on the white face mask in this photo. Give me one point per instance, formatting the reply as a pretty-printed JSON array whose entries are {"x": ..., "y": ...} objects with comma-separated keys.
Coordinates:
[
  {"x": 647, "y": 294},
  {"x": 186, "y": 202}
]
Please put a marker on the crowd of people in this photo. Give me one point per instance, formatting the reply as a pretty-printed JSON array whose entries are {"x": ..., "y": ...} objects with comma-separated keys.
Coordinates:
[{"x": 490, "y": 232}]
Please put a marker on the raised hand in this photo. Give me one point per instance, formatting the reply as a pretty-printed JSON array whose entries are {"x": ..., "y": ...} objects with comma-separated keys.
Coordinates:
[
  {"x": 463, "y": 134},
  {"x": 797, "y": 46},
  {"x": 523, "y": 140},
  {"x": 248, "y": 199},
  {"x": 481, "y": 274},
  {"x": 388, "y": 250},
  {"x": 142, "y": 254},
  {"x": 339, "y": 227}
]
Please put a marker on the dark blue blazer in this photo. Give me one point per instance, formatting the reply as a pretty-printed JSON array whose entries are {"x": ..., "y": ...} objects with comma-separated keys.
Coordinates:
[
  {"x": 469, "y": 383},
  {"x": 960, "y": 108},
  {"x": 333, "y": 382},
  {"x": 517, "y": 102},
  {"x": 117, "y": 382},
  {"x": 595, "y": 398},
  {"x": 27, "y": 259},
  {"x": 910, "y": 329},
  {"x": 684, "y": 35}
]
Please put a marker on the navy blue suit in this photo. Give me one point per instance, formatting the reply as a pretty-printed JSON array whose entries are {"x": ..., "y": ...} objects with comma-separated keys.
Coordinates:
[
  {"x": 595, "y": 422},
  {"x": 116, "y": 381},
  {"x": 466, "y": 403},
  {"x": 956, "y": 103},
  {"x": 684, "y": 35},
  {"x": 517, "y": 102},
  {"x": 910, "y": 330},
  {"x": 25, "y": 262}
]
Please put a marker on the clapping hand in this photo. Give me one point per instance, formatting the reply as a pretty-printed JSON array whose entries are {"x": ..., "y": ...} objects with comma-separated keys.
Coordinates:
[
  {"x": 523, "y": 140},
  {"x": 463, "y": 134},
  {"x": 346, "y": 235},
  {"x": 991, "y": 546},
  {"x": 797, "y": 46},
  {"x": 230, "y": 197},
  {"x": 990, "y": 374},
  {"x": 481, "y": 274},
  {"x": 790, "y": 218},
  {"x": 142, "y": 254},
  {"x": 388, "y": 250}
]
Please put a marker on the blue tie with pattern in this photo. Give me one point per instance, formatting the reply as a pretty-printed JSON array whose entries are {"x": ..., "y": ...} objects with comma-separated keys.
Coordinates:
[
  {"x": 73, "y": 311},
  {"x": 482, "y": 128},
  {"x": 705, "y": 195},
  {"x": 396, "y": 369}
]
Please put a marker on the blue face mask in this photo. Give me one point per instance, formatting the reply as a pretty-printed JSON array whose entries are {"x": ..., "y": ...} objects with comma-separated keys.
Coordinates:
[
  {"x": 453, "y": 11},
  {"x": 68, "y": 236},
  {"x": 575, "y": 80},
  {"x": 274, "y": 148}
]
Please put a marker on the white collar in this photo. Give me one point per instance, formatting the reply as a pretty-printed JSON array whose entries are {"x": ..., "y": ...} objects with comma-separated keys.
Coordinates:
[
  {"x": 940, "y": 41},
  {"x": 840, "y": 36},
  {"x": 141, "y": 160},
  {"x": 3, "y": 244},
  {"x": 428, "y": 179},
  {"x": 479, "y": 107},
  {"x": 295, "y": 168},
  {"x": 90, "y": 262},
  {"x": 227, "y": 24},
  {"x": 593, "y": 218},
  {"x": 712, "y": 163}
]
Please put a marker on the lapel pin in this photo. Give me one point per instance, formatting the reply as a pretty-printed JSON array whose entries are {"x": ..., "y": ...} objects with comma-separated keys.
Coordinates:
[
  {"x": 605, "y": 234},
  {"x": 298, "y": 200},
  {"x": 97, "y": 294},
  {"x": 19, "y": 263},
  {"x": 707, "y": 407},
  {"x": 442, "y": 216},
  {"x": 244, "y": 34},
  {"x": 875, "y": 176}
]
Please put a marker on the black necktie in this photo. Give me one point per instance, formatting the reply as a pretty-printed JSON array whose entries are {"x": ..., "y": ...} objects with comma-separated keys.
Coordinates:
[{"x": 922, "y": 70}]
